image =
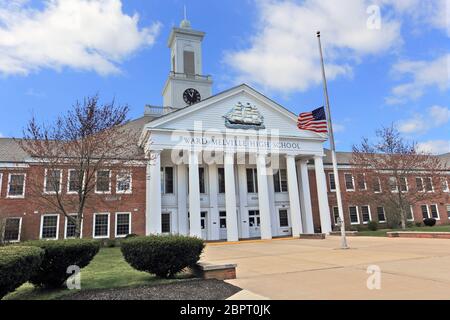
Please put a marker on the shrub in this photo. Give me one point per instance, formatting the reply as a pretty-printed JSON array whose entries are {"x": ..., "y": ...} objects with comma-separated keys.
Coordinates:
[
  {"x": 372, "y": 225},
  {"x": 429, "y": 222},
  {"x": 163, "y": 255},
  {"x": 60, "y": 254},
  {"x": 17, "y": 264},
  {"x": 418, "y": 224}
]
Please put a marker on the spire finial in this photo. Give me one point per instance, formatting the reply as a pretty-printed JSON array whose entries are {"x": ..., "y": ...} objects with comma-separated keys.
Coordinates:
[{"x": 185, "y": 23}]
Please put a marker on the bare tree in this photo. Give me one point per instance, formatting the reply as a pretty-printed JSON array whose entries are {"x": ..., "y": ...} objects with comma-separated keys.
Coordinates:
[
  {"x": 392, "y": 173},
  {"x": 89, "y": 138}
]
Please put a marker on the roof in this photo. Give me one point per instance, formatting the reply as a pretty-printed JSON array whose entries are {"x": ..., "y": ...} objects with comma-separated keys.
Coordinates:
[{"x": 10, "y": 151}]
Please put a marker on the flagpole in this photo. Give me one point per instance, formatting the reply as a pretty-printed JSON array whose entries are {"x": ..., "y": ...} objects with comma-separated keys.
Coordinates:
[{"x": 333, "y": 150}]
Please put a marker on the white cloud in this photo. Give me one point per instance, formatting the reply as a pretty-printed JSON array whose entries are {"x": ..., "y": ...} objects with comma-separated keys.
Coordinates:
[
  {"x": 422, "y": 75},
  {"x": 283, "y": 54},
  {"x": 337, "y": 127},
  {"x": 434, "y": 146},
  {"x": 1, "y": 135},
  {"x": 90, "y": 35},
  {"x": 433, "y": 117}
]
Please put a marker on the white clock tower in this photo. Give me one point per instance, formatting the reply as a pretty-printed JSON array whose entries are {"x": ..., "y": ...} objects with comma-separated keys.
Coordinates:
[{"x": 186, "y": 85}]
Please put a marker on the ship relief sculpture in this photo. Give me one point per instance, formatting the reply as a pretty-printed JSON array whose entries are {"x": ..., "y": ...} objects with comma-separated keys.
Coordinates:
[{"x": 244, "y": 117}]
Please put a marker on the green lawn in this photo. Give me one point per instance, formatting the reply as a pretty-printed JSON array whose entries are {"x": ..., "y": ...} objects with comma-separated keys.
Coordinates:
[
  {"x": 382, "y": 232},
  {"x": 107, "y": 270}
]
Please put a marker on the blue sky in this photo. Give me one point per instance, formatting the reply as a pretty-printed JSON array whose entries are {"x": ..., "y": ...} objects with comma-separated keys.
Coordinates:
[{"x": 386, "y": 66}]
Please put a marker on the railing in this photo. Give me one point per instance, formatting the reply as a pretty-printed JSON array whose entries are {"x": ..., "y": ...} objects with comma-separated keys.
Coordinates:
[{"x": 190, "y": 76}]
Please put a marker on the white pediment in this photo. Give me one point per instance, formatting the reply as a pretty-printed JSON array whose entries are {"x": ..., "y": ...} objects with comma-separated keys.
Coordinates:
[{"x": 214, "y": 112}]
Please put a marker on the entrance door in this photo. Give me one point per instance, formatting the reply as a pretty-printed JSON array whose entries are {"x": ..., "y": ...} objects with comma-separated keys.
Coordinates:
[
  {"x": 165, "y": 222},
  {"x": 284, "y": 223},
  {"x": 223, "y": 225},
  {"x": 204, "y": 224},
  {"x": 254, "y": 223}
]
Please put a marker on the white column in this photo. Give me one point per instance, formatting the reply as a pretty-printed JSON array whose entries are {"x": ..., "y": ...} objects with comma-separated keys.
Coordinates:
[
  {"x": 263, "y": 197},
  {"x": 322, "y": 195},
  {"x": 182, "y": 199},
  {"x": 305, "y": 195},
  {"x": 194, "y": 196},
  {"x": 242, "y": 178},
  {"x": 294, "y": 201},
  {"x": 153, "y": 195},
  {"x": 213, "y": 218},
  {"x": 230, "y": 198}
]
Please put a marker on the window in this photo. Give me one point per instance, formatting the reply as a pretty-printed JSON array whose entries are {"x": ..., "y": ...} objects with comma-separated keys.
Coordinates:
[
  {"x": 403, "y": 184},
  {"x": 1, "y": 180},
  {"x": 221, "y": 172},
  {"x": 101, "y": 225},
  {"x": 201, "y": 178},
  {"x": 376, "y": 184},
  {"x": 444, "y": 183},
  {"x": 429, "y": 184},
  {"x": 165, "y": 222},
  {"x": 448, "y": 211},
  {"x": 361, "y": 180},
  {"x": 365, "y": 212},
  {"x": 52, "y": 181},
  {"x": 49, "y": 226},
  {"x": 16, "y": 185},
  {"x": 424, "y": 209},
  {"x": 336, "y": 215},
  {"x": 123, "y": 182},
  {"x": 167, "y": 180},
  {"x": 434, "y": 211},
  {"x": 74, "y": 181},
  {"x": 284, "y": 222},
  {"x": 12, "y": 229},
  {"x": 223, "y": 219},
  {"x": 189, "y": 62},
  {"x": 280, "y": 181},
  {"x": 252, "y": 181},
  {"x": 410, "y": 214},
  {"x": 70, "y": 227},
  {"x": 349, "y": 183},
  {"x": 254, "y": 218},
  {"x": 103, "y": 184},
  {"x": 381, "y": 215},
  {"x": 332, "y": 182},
  {"x": 393, "y": 184},
  {"x": 354, "y": 217},
  {"x": 123, "y": 224},
  {"x": 419, "y": 184}
]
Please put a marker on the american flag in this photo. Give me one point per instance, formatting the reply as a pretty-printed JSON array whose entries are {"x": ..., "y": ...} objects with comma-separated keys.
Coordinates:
[{"x": 313, "y": 121}]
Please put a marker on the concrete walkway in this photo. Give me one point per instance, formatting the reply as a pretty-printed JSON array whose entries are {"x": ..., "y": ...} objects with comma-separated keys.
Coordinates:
[{"x": 316, "y": 269}]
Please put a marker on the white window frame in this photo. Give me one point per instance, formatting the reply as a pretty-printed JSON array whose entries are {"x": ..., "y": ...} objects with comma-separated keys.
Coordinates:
[
  {"x": 437, "y": 211},
  {"x": 22, "y": 196},
  {"x": 279, "y": 181},
  {"x": 329, "y": 181},
  {"x": 384, "y": 214},
  {"x": 370, "y": 214},
  {"x": 115, "y": 225},
  {"x": 357, "y": 215},
  {"x": 103, "y": 192},
  {"x": 42, "y": 225},
  {"x": 353, "y": 182},
  {"x": 411, "y": 210},
  {"x": 163, "y": 180},
  {"x": 392, "y": 178},
  {"x": 425, "y": 186},
  {"x": 60, "y": 181},
  {"x": 218, "y": 180},
  {"x": 406, "y": 183},
  {"x": 334, "y": 216},
  {"x": 254, "y": 182},
  {"x": 68, "y": 181},
  {"x": 1, "y": 181},
  {"x": 428, "y": 211},
  {"x": 93, "y": 225},
  {"x": 379, "y": 183},
  {"x": 443, "y": 182},
  {"x": 65, "y": 227},
  {"x": 447, "y": 207},
  {"x": 365, "y": 182},
  {"x": 20, "y": 229},
  {"x": 130, "y": 190}
]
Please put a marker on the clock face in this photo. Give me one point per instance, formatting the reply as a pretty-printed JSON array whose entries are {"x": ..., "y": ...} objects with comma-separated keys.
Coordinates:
[{"x": 191, "y": 96}]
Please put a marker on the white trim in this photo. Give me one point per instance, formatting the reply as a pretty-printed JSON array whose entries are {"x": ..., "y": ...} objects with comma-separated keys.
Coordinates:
[
  {"x": 428, "y": 211},
  {"x": 379, "y": 184},
  {"x": 357, "y": 215},
  {"x": 60, "y": 181},
  {"x": 93, "y": 225},
  {"x": 365, "y": 182},
  {"x": 20, "y": 230},
  {"x": 103, "y": 192},
  {"x": 163, "y": 179},
  {"x": 42, "y": 225},
  {"x": 130, "y": 190},
  {"x": 68, "y": 181},
  {"x": 334, "y": 216},
  {"x": 447, "y": 207},
  {"x": 22, "y": 196},
  {"x": 444, "y": 181},
  {"x": 432, "y": 186},
  {"x": 437, "y": 211},
  {"x": 423, "y": 186},
  {"x": 115, "y": 224},
  {"x": 65, "y": 227},
  {"x": 362, "y": 214},
  {"x": 384, "y": 215},
  {"x": 279, "y": 181},
  {"x": 255, "y": 185},
  {"x": 329, "y": 181},
  {"x": 406, "y": 183},
  {"x": 353, "y": 182},
  {"x": 1, "y": 183}
]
